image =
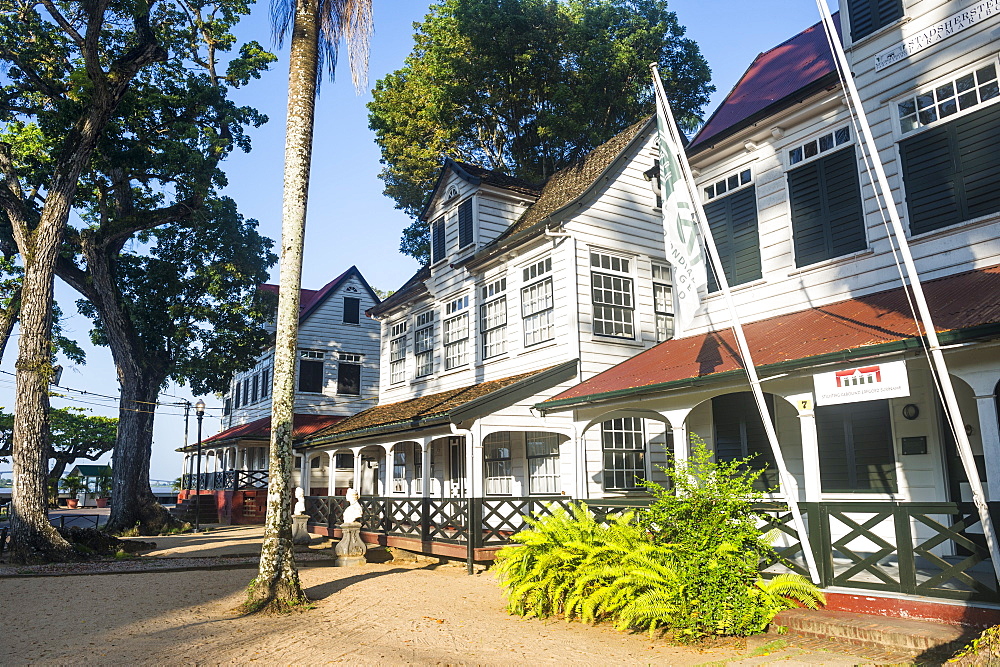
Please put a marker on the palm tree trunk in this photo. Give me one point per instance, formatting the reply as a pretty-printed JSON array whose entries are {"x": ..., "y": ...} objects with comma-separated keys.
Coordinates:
[{"x": 277, "y": 586}]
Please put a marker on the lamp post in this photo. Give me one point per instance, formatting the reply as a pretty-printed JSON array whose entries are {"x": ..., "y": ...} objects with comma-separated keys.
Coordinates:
[{"x": 199, "y": 412}]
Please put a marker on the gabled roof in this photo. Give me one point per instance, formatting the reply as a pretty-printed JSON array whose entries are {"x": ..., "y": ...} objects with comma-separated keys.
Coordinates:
[
  {"x": 964, "y": 306},
  {"x": 260, "y": 429},
  {"x": 411, "y": 289},
  {"x": 443, "y": 407},
  {"x": 310, "y": 300},
  {"x": 566, "y": 187},
  {"x": 477, "y": 176},
  {"x": 91, "y": 470},
  {"x": 783, "y": 75}
]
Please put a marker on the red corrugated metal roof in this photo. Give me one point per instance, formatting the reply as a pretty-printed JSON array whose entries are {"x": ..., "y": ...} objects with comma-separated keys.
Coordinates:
[
  {"x": 261, "y": 428},
  {"x": 956, "y": 302},
  {"x": 773, "y": 76},
  {"x": 310, "y": 297}
]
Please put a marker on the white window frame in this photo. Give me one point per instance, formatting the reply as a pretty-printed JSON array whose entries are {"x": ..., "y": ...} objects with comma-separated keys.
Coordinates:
[
  {"x": 423, "y": 344},
  {"x": 538, "y": 312},
  {"x": 728, "y": 184},
  {"x": 617, "y": 280},
  {"x": 498, "y": 470},
  {"x": 621, "y": 441},
  {"x": 828, "y": 141},
  {"x": 544, "y": 475},
  {"x": 663, "y": 307},
  {"x": 936, "y": 102},
  {"x": 493, "y": 319},
  {"x": 456, "y": 341}
]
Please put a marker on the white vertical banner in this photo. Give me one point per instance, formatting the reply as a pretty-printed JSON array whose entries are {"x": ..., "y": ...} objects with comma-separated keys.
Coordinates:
[{"x": 679, "y": 228}]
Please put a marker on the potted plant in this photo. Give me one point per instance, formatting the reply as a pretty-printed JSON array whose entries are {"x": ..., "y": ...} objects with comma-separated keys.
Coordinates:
[
  {"x": 72, "y": 484},
  {"x": 103, "y": 490}
]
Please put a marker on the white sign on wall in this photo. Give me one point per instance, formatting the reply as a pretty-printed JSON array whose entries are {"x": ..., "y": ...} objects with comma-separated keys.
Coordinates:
[
  {"x": 862, "y": 383},
  {"x": 941, "y": 30}
]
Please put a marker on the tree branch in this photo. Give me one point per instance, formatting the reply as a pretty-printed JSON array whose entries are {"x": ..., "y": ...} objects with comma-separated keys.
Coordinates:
[{"x": 64, "y": 24}]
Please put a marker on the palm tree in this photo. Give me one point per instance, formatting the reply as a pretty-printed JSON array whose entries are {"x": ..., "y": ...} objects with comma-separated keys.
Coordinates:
[{"x": 317, "y": 27}]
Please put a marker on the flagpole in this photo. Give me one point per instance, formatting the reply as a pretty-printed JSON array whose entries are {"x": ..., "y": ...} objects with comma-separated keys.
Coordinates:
[
  {"x": 940, "y": 368},
  {"x": 788, "y": 483}
]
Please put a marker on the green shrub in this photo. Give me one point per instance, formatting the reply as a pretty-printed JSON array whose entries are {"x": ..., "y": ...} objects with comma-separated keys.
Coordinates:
[{"x": 687, "y": 564}]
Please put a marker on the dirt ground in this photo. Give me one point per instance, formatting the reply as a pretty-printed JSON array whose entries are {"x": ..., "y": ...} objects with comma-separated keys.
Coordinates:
[{"x": 388, "y": 614}]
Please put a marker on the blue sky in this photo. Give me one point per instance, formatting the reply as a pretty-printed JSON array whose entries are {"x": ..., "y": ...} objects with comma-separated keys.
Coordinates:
[{"x": 350, "y": 221}]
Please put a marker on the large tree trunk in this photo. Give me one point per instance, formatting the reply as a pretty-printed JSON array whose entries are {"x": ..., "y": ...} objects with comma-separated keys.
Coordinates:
[
  {"x": 33, "y": 537},
  {"x": 133, "y": 503},
  {"x": 277, "y": 586}
]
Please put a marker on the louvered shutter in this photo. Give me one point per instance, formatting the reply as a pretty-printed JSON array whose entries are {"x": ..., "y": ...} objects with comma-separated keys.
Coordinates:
[
  {"x": 733, "y": 221},
  {"x": 951, "y": 171},
  {"x": 437, "y": 240},
  {"x": 739, "y": 433},
  {"x": 825, "y": 200},
  {"x": 867, "y": 16},
  {"x": 856, "y": 447},
  {"x": 352, "y": 310},
  {"x": 465, "y": 223},
  {"x": 311, "y": 376}
]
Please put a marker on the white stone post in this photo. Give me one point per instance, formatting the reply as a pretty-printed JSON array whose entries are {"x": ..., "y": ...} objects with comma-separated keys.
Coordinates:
[{"x": 304, "y": 472}]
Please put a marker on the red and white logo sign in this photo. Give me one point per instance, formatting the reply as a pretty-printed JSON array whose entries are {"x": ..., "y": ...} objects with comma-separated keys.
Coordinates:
[{"x": 862, "y": 383}]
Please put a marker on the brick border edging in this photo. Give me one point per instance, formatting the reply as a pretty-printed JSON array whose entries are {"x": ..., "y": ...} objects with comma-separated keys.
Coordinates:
[{"x": 969, "y": 615}]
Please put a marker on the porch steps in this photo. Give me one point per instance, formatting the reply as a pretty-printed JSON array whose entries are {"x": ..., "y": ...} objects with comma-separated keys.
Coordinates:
[
  {"x": 202, "y": 507},
  {"x": 896, "y": 634}
]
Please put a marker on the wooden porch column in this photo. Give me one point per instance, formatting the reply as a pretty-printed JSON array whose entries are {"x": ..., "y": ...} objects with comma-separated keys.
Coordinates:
[
  {"x": 356, "y": 484},
  {"x": 475, "y": 476},
  {"x": 304, "y": 472},
  {"x": 331, "y": 483},
  {"x": 425, "y": 468},
  {"x": 810, "y": 447},
  {"x": 990, "y": 432}
]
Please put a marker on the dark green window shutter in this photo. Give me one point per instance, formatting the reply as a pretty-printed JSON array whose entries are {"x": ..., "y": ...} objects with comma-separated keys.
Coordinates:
[
  {"x": 855, "y": 447},
  {"x": 825, "y": 200},
  {"x": 465, "y": 223},
  {"x": 733, "y": 221},
  {"x": 867, "y": 16},
  {"x": 739, "y": 433},
  {"x": 311, "y": 376},
  {"x": 951, "y": 171},
  {"x": 437, "y": 240}
]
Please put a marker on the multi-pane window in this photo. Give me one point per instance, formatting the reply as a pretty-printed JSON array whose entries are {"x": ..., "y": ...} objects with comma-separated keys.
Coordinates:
[
  {"x": 537, "y": 307},
  {"x": 856, "y": 447},
  {"x": 343, "y": 460},
  {"x": 493, "y": 319},
  {"x": 951, "y": 170},
  {"x": 399, "y": 470},
  {"x": 497, "y": 464},
  {"x": 612, "y": 295},
  {"x": 624, "y": 447},
  {"x": 543, "y": 462},
  {"x": 946, "y": 99},
  {"x": 663, "y": 303},
  {"x": 536, "y": 269},
  {"x": 352, "y": 310},
  {"x": 423, "y": 344},
  {"x": 349, "y": 373},
  {"x": 814, "y": 147},
  {"x": 825, "y": 201},
  {"x": 867, "y": 16},
  {"x": 437, "y": 241},
  {"x": 397, "y": 352},
  {"x": 731, "y": 182},
  {"x": 310, "y": 371},
  {"x": 456, "y": 341}
]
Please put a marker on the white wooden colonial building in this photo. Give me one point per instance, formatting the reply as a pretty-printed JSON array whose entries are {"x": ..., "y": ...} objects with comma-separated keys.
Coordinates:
[{"x": 337, "y": 376}]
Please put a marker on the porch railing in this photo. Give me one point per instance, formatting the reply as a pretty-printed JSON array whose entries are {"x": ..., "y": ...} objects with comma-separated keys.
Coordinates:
[
  {"x": 928, "y": 549},
  {"x": 226, "y": 480}
]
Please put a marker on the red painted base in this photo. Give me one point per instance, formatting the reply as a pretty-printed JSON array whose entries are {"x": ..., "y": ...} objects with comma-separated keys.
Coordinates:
[{"x": 965, "y": 614}]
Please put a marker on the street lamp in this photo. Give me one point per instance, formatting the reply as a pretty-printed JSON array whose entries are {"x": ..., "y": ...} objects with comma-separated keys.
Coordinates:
[{"x": 199, "y": 412}]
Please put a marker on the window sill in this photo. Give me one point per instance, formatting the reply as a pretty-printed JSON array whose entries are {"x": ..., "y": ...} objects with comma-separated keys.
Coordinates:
[
  {"x": 453, "y": 371},
  {"x": 902, "y": 20},
  {"x": 742, "y": 287},
  {"x": 629, "y": 342},
  {"x": 833, "y": 261},
  {"x": 545, "y": 344},
  {"x": 935, "y": 234}
]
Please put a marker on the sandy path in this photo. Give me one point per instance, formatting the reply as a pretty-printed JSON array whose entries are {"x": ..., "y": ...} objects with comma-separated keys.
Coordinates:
[{"x": 382, "y": 614}]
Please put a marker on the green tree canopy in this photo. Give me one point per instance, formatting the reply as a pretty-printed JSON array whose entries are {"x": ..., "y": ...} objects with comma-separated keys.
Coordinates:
[{"x": 525, "y": 87}]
